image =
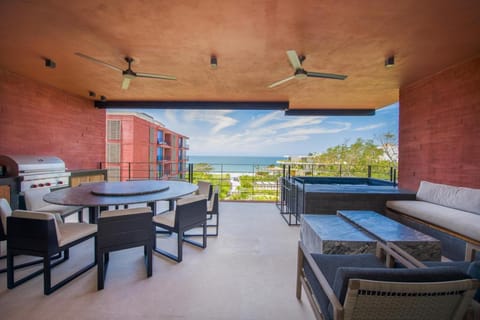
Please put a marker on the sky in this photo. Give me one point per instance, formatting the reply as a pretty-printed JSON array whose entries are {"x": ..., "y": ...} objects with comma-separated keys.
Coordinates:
[{"x": 271, "y": 133}]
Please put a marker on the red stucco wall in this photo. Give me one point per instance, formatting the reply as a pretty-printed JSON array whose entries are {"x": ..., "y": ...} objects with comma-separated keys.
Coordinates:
[
  {"x": 40, "y": 120},
  {"x": 439, "y": 131}
]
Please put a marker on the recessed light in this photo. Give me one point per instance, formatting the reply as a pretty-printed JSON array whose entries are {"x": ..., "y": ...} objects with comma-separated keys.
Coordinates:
[
  {"x": 390, "y": 62},
  {"x": 49, "y": 63},
  {"x": 213, "y": 62}
]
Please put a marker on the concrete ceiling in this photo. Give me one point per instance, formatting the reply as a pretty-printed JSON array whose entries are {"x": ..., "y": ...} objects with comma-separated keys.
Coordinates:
[{"x": 250, "y": 39}]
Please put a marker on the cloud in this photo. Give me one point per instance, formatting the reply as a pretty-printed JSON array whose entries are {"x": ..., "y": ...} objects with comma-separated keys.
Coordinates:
[
  {"x": 217, "y": 120},
  {"x": 258, "y": 138},
  {"x": 266, "y": 118},
  {"x": 370, "y": 127},
  {"x": 223, "y": 122},
  {"x": 297, "y": 122},
  {"x": 233, "y": 132}
]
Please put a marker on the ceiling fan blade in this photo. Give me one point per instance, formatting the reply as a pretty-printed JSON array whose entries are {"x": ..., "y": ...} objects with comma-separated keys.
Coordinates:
[
  {"x": 326, "y": 75},
  {"x": 156, "y": 76},
  {"x": 98, "y": 61},
  {"x": 294, "y": 61},
  {"x": 125, "y": 83},
  {"x": 281, "y": 81}
]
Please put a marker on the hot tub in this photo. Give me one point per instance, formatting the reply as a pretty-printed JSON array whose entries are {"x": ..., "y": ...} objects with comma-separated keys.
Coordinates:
[{"x": 326, "y": 195}]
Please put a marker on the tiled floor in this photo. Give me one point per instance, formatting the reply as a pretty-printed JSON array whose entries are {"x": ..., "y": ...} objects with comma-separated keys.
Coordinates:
[{"x": 247, "y": 272}]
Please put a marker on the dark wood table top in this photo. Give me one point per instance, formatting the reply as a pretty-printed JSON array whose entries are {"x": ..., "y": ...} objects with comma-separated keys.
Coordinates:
[{"x": 100, "y": 194}]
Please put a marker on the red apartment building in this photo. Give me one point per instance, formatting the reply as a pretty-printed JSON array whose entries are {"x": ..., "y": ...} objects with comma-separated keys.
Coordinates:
[{"x": 140, "y": 147}]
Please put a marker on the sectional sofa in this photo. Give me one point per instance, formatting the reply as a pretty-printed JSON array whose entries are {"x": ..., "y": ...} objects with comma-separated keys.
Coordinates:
[{"x": 449, "y": 213}]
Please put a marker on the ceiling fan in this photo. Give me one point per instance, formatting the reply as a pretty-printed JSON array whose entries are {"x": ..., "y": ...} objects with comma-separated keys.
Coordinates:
[
  {"x": 300, "y": 73},
  {"x": 128, "y": 74}
]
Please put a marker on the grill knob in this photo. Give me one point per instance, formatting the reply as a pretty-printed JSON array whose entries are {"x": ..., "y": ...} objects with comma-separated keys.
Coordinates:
[
  {"x": 47, "y": 184},
  {"x": 33, "y": 186},
  {"x": 40, "y": 184},
  {"x": 60, "y": 182}
]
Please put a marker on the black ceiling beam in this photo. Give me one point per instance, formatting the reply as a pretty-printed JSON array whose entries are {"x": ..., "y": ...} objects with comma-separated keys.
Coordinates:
[
  {"x": 204, "y": 105},
  {"x": 330, "y": 112}
]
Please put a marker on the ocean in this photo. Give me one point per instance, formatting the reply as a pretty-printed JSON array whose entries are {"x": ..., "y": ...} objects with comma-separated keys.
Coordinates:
[{"x": 241, "y": 164}]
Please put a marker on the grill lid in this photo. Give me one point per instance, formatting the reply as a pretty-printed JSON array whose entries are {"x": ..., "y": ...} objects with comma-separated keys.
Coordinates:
[{"x": 20, "y": 165}]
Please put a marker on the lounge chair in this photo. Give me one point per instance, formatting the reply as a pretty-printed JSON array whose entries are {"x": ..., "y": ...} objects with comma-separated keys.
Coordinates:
[{"x": 367, "y": 287}]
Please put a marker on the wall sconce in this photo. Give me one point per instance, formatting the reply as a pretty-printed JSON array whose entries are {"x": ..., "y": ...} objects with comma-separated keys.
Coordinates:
[
  {"x": 213, "y": 62},
  {"x": 390, "y": 62},
  {"x": 49, "y": 63},
  {"x": 103, "y": 98},
  {"x": 92, "y": 94}
]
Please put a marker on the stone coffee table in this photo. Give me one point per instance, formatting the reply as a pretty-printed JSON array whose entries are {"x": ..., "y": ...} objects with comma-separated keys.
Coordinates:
[
  {"x": 354, "y": 232},
  {"x": 421, "y": 246},
  {"x": 332, "y": 234}
]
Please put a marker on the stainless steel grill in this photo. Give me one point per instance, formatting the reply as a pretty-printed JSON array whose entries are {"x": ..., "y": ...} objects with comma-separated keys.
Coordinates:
[{"x": 35, "y": 171}]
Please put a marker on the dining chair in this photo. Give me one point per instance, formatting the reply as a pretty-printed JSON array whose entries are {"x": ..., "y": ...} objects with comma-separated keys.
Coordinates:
[
  {"x": 40, "y": 234},
  {"x": 122, "y": 229},
  {"x": 213, "y": 213},
  {"x": 34, "y": 202},
  {"x": 190, "y": 212},
  {"x": 213, "y": 216},
  {"x": 205, "y": 188},
  {"x": 6, "y": 211}
]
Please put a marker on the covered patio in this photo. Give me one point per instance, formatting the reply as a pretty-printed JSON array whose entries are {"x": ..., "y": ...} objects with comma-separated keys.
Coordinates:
[{"x": 248, "y": 272}]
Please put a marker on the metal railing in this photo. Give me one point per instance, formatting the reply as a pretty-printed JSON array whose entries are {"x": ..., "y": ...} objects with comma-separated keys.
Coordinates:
[{"x": 242, "y": 182}]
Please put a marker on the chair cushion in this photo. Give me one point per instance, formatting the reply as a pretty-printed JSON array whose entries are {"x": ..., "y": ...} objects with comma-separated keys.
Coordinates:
[
  {"x": 124, "y": 212},
  {"x": 474, "y": 272},
  {"x": 5, "y": 211},
  {"x": 61, "y": 210},
  {"x": 167, "y": 219},
  {"x": 73, "y": 231},
  {"x": 470, "y": 268},
  {"x": 204, "y": 188},
  {"x": 328, "y": 264}
]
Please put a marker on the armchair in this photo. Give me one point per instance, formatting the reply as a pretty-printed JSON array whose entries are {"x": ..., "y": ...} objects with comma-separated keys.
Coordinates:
[
  {"x": 39, "y": 234},
  {"x": 6, "y": 211},
  {"x": 364, "y": 287}
]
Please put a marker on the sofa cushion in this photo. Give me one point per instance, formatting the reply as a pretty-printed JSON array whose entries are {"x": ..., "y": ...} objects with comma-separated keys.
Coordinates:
[
  {"x": 461, "y": 198},
  {"x": 461, "y": 222}
]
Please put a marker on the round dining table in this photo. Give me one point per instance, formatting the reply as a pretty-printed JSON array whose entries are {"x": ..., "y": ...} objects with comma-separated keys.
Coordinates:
[{"x": 98, "y": 196}]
